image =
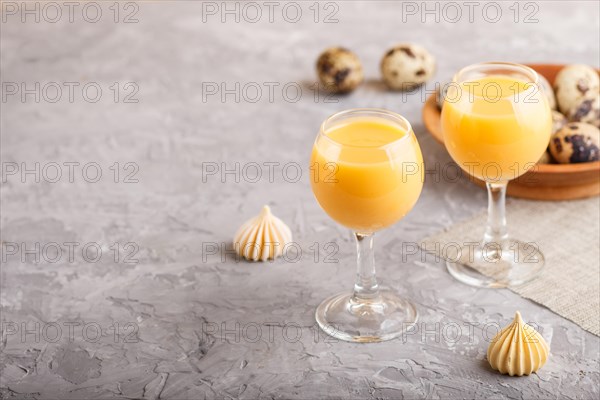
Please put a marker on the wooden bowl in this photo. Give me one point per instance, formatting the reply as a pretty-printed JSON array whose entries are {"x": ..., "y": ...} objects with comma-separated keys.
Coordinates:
[{"x": 545, "y": 181}]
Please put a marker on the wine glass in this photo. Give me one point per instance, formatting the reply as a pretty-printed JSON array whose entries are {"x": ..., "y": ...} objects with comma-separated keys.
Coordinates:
[
  {"x": 367, "y": 174},
  {"x": 497, "y": 124}
]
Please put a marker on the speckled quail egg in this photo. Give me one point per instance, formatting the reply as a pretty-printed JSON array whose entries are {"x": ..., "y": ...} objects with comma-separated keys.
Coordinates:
[
  {"x": 573, "y": 84},
  {"x": 588, "y": 111},
  {"x": 339, "y": 70},
  {"x": 558, "y": 121},
  {"x": 576, "y": 142},
  {"x": 546, "y": 88},
  {"x": 407, "y": 65}
]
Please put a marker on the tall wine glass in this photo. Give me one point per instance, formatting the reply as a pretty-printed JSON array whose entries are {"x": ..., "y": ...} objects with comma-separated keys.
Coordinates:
[
  {"x": 366, "y": 173},
  {"x": 496, "y": 123}
]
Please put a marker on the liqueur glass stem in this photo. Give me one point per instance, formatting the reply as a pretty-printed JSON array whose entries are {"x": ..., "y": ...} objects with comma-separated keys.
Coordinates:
[
  {"x": 366, "y": 287},
  {"x": 496, "y": 231}
]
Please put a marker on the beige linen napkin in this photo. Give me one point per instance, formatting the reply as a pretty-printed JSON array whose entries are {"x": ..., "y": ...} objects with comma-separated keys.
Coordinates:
[{"x": 568, "y": 234}]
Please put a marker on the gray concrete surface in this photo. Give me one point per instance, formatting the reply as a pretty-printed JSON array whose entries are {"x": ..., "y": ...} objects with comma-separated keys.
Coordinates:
[{"x": 181, "y": 323}]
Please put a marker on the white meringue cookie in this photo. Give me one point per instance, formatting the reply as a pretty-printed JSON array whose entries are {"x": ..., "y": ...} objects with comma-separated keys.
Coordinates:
[
  {"x": 518, "y": 349},
  {"x": 262, "y": 237}
]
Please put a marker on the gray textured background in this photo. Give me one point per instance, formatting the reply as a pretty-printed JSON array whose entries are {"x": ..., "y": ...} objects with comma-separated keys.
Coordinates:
[{"x": 176, "y": 298}]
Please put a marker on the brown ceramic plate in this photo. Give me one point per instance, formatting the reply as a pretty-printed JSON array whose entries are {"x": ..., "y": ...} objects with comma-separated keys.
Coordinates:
[{"x": 545, "y": 181}]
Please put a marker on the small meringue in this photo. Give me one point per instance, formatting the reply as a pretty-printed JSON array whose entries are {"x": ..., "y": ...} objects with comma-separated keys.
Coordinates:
[
  {"x": 518, "y": 349},
  {"x": 262, "y": 237}
]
